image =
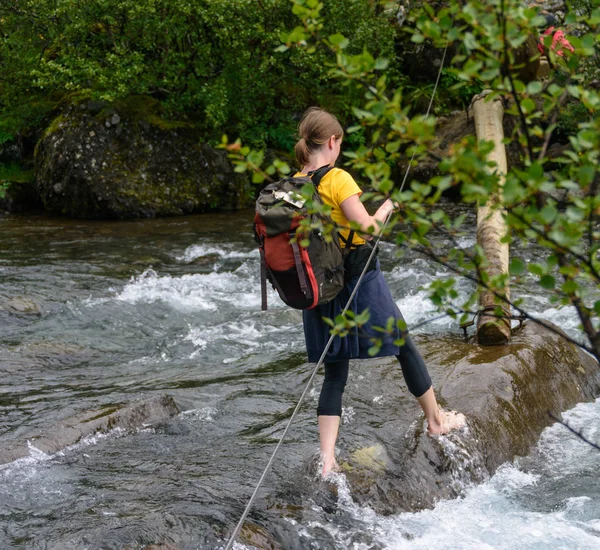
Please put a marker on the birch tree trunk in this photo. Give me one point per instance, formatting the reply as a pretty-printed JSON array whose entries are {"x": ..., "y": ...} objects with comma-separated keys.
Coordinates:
[{"x": 491, "y": 227}]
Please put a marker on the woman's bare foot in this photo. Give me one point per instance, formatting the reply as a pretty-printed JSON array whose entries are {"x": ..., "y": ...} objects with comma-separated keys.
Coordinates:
[
  {"x": 329, "y": 465},
  {"x": 445, "y": 422}
]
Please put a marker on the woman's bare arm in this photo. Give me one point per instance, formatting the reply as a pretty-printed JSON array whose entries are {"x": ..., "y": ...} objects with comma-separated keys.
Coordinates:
[{"x": 355, "y": 211}]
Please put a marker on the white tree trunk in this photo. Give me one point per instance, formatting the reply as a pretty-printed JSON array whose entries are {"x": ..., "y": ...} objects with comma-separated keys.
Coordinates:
[{"x": 491, "y": 227}]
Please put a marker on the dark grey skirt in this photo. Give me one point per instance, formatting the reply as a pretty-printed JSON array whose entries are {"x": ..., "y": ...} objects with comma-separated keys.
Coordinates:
[{"x": 374, "y": 295}]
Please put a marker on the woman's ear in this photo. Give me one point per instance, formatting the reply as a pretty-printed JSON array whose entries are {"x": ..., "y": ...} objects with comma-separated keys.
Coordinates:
[{"x": 331, "y": 142}]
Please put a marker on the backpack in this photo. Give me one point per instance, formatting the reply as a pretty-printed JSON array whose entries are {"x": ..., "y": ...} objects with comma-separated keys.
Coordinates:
[{"x": 304, "y": 277}]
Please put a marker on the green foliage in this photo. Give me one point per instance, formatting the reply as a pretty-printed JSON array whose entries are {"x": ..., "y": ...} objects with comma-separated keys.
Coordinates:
[
  {"x": 570, "y": 117},
  {"x": 12, "y": 171},
  {"x": 213, "y": 63}
]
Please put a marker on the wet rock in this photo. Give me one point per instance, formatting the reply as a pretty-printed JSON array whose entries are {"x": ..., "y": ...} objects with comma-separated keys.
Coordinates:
[
  {"x": 21, "y": 305},
  {"x": 372, "y": 458},
  {"x": 159, "y": 546},
  {"x": 506, "y": 393},
  {"x": 258, "y": 537},
  {"x": 42, "y": 354},
  {"x": 125, "y": 162},
  {"x": 131, "y": 417}
]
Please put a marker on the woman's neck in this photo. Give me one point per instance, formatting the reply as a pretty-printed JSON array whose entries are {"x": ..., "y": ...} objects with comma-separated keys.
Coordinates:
[{"x": 314, "y": 165}]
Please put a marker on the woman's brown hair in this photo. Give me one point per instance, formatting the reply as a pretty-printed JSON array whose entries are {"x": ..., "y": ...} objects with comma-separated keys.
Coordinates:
[{"x": 315, "y": 128}]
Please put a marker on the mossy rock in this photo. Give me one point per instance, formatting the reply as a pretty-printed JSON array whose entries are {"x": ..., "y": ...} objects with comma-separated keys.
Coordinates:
[
  {"x": 125, "y": 160},
  {"x": 373, "y": 458}
]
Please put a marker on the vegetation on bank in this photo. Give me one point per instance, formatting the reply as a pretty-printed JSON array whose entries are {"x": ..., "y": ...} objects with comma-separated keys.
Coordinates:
[{"x": 212, "y": 63}]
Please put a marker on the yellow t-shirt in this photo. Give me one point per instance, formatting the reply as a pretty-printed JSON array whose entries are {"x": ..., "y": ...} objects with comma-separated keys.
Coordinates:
[{"x": 335, "y": 187}]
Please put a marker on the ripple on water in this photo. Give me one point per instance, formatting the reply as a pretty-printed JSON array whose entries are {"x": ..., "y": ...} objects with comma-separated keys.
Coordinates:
[
  {"x": 228, "y": 252},
  {"x": 197, "y": 292}
]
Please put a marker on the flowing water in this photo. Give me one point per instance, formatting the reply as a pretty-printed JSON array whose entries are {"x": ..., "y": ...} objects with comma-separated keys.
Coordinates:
[{"x": 103, "y": 314}]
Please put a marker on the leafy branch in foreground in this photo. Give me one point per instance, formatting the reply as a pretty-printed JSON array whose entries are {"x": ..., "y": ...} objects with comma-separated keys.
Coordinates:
[{"x": 548, "y": 204}]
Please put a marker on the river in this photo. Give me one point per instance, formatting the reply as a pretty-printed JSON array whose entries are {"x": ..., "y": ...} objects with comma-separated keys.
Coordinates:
[{"x": 102, "y": 314}]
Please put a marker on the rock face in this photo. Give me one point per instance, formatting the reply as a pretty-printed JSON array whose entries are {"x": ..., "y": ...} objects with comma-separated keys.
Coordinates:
[
  {"x": 96, "y": 162},
  {"x": 506, "y": 393}
]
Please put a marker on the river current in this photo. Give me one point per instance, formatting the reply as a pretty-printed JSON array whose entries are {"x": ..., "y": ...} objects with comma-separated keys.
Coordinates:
[{"x": 103, "y": 314}]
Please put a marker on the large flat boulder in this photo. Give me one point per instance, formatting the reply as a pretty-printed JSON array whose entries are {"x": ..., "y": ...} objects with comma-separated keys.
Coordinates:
[{"x": 508, "y": 394}]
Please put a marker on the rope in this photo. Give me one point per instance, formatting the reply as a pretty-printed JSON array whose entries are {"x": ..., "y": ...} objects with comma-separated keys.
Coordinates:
[{"x": 330, "y": 341}]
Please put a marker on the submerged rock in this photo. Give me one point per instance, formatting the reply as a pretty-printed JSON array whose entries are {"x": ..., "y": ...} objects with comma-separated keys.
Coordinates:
[
  {"x": 507, "y": 394},
  {"x": 140, "y": 414},
  {"x": 95, "y": 162},
  {"x": 21, "y": 305},
  {"x": 256, "y": 536}
]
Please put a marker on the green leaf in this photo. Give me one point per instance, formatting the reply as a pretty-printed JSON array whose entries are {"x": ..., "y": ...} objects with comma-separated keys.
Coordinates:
[
  {"x": 548, "y": 214},
  {"x": 381, "y": 64},
  {"x": 339, "y": 40},
  {"x": 570, "y": 287},
  {"x": 547, "y": 281},
  {"x": 517, "y": 267},
  {"x": 528, "y": 105},
  {"x": 535, "y": 87},
  {"x": 535, "y": 269}
]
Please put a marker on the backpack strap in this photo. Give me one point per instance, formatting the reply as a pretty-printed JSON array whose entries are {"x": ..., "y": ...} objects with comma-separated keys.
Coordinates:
[
  {"x": 263, "y": 277},
  {"x": 317, "y": 175},
  {"x": 350, "y": 240},
  {"x": 299, "y": 268}
]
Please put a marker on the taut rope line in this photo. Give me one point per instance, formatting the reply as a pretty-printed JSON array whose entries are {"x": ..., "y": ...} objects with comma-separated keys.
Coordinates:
[{"x": 330, "y": 341}]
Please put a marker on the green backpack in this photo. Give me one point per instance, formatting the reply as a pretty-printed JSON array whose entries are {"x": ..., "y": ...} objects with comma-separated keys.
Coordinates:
[{"x": 304, "y": 277}]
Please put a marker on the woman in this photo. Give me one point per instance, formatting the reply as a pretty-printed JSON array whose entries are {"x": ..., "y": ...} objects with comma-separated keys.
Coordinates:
[{"x": 319, "y": 145}]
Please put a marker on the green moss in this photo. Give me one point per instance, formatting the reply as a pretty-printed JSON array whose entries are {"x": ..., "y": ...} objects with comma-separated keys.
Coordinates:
[
  {"x": 103, "y": 413},
  {"x": 54, "y": 126},
  {"x": 140, "y": 107},
  {"x": 15, "y": 173}
]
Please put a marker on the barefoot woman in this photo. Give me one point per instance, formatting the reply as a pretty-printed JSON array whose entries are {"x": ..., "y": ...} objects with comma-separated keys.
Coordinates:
[{"x": 319, "y": 145}]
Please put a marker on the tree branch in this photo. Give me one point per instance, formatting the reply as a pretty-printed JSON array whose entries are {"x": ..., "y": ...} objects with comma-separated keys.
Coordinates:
[
  {"x": 505, "y": 300},
  {"x": 507, "y": 72},
  {"x": 559, "y": 104},
  {"x": 557, "y": 247},
  {"x": 578, "y": 304}
]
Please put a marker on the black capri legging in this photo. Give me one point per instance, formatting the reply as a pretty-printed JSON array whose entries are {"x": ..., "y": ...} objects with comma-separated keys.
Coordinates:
[{"x": 336, "y": 374}]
